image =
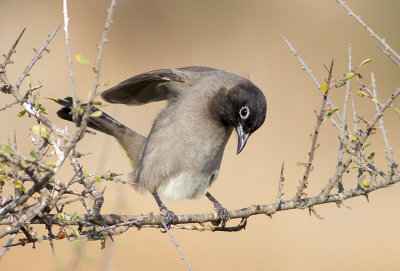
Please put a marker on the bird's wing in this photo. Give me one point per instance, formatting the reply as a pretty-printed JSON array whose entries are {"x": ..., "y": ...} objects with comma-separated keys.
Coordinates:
[{"x": 152, "y": 86}]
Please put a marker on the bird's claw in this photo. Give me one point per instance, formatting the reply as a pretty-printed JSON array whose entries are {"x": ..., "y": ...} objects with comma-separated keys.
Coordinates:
[
  {"x": 169, "y": 218},
  {"x": 223, "y": 216}
]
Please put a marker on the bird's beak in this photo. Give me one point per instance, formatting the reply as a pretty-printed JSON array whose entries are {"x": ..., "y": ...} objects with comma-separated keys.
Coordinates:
[{"x": 242, "y": 138}]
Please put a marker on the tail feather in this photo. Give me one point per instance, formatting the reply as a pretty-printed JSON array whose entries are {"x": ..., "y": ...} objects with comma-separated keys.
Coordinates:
[
  {"x": 103, "y": 123},
  {"x": 130, "y": 141}
]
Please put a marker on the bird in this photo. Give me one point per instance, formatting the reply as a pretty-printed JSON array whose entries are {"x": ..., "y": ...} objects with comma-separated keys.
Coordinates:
[{"x": 181, "y": 156}]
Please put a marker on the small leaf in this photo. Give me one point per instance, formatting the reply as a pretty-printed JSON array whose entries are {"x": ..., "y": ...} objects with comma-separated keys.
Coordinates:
[
  {"x": 96, "y": 114},
  {"x": 43, "y": 131},
  {"x": 2, "y": 178},
  {"x": 324, "y": 87},
  {"x": 29, "y": 81},
  {"x": 22, "y": 240},
  {"x": 51, "y": 98},
  {"x": 362, "y": 93},
  {"x": 85, "y": 175},
  {"x": 83, "y": 60},
  {"x": 111, "y": 178},
  {"x": 97, "y": 103},
  {"x": 365, "y": 183},
  {"x": 60, "y": 217},
  {"x": 9, "y": 149},
  {"x": 359, "y": 75},
  {"x": 340, "y": 84},
  {"x": 365, "y": 61},
  {"x": 76, "y": 233},
  {"x": 73, "y": 216},
  {"x": 103, "y": 244},
  {"x": 366, "y": 145},
  {"x": 18, "y": 185},
  {"x": 371, "y": 155},
  {"x": 21, "y": 113},
  {"x": 375, "y": 100},
  {"x": 316, "y": 92},
  {"x": 98, "y": 179},
  {"x": 349, "y": 76},
  {"x": 3, "y": 166},
  {"x": 353, "y": 137},
  {"x": 332, "y": 111},
  {"x": 49, "y": 164},
  {"x": 33, "y": 154},
  {"x": 354, "y": 165}
]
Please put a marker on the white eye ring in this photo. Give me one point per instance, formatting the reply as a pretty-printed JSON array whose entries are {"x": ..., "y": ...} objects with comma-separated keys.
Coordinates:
[{"x": 244, "y": 112}]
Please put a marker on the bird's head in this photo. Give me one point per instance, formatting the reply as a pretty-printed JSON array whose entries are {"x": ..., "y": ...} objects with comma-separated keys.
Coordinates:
[{"x": 244, "y": 107}]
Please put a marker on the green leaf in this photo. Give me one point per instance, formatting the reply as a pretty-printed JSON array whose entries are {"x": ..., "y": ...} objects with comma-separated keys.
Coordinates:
[
  {"x": 353, "y": 137},
  {"x": 98, "y": 179},
  {"x": 2, "y": 178},
  {"x": 340, "y": 84},
  {"x": 22, "y": 240},
  {"x": 366, "y": 145},
  {"x": 49, "y": 164},
  {"x": 375, "y": 100},
  {"x": 85, "y": 175},
  {"x": 60, "y": 217},
  {"x": 3, "y": 166},
  {"x": 349, "y": 76},
  {"x": 359, "y": 75},
  {"x": 51, "y": 98},
  {"x": 316, "y": 92},
  {"x": 362, "y": 93},
  {"x": 83, "y": 60},
  {"x": 9, "y": 149},
  {"x": 103, "y": 244},
  {"x": 332, "y": 111},
  {"x": 96, "y": 114},
  {"x": 371, "y": 155},
  {"x": 21, "y": 113},
  {"x": 365, "y": 61},
  {"x": 18, "y": 185},
  {"x": 76, "y": 233},
  {"x": 354, "y": 165},
  {"x": 73, "y": 216}
]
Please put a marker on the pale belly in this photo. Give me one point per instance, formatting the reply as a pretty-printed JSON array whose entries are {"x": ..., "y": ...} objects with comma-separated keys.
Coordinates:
[{"x": 186, "y": 185}]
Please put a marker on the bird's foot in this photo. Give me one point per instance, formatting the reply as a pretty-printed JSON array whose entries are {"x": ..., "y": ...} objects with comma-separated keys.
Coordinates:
[
  {"x": 222, "y": 213},
  {"x": 169, "y": 217}
]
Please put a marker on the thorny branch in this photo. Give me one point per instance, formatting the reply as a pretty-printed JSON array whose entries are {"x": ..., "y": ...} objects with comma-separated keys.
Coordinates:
[{"x": 43, "y": 203}]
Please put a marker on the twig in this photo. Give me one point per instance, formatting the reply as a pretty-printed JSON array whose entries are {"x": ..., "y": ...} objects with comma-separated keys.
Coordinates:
[
  {"x": 311, "y": 74},
  {"x": 389, "y": 152},
  {"x": 173, "y": 240},
  {"x": 6, "y": 246},
  {"x": 280, "y": 194},
  {"x": 320, "y": 118},
  {"x": 12, "y": 50},
  {"x": 69, "y": 58},
  {"x": 391, "y": 53},
  {"x": 344, "y": 124},
  {"x": 35, "y": 58}
]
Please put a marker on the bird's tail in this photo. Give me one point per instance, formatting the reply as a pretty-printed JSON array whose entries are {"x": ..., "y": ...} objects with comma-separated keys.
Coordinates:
[
  {"x": 130, "y": 141},
  {"x": 100, "y": 121}
]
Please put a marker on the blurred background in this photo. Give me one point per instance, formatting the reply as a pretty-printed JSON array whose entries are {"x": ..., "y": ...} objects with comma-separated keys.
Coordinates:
[{"x": 241, "y": 37}]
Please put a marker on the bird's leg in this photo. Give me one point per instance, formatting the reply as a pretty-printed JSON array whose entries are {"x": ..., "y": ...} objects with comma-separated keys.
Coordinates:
[
  {"x": 222, "y": 213},
  {"x": 169, "y": 216}
]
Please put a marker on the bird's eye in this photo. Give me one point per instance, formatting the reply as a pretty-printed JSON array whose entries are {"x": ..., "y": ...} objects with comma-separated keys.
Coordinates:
[{"x": 244, "y": 112}]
